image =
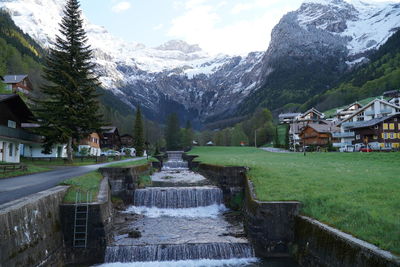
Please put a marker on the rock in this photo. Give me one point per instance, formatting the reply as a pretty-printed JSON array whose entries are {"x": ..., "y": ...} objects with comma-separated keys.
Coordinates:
[{"x": 134, "y": 234}]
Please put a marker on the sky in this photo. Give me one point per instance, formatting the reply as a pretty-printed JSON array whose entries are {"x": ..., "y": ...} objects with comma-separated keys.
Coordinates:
[{"x": 218, "y": 26}]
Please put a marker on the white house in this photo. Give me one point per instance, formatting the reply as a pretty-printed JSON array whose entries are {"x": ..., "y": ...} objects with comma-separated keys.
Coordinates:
[
  {"x": 377, "y": 108},
  {"x": 14, "y": 112},
  {"x": 35, "y": 151}
]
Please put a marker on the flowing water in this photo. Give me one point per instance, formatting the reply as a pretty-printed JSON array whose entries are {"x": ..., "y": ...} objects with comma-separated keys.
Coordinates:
[{"x": 181, "y": 225}]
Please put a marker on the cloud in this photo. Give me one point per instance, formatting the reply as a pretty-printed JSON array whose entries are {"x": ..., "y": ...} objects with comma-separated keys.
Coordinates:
[
  {"x": 121, "y": 6},
  {"x": 158, "y": 27},
  {"x": 219, "y": 30}
]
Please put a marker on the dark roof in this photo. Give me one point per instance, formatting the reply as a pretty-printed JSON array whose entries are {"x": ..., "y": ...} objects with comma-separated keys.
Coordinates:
[
  {"x": 127, "y": 135},
  {"x": 108, "y": 129},
  {"x": 14, "y": 78},
  {"x": 324, "y": 128},
  {"x": 392, "y": 93},
  {"x": 17, "y": 106},
  {"x": 363, "y": 124}
]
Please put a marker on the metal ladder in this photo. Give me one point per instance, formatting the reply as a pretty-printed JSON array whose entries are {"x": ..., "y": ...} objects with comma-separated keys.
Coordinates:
[{"x": 81, "y": 220}]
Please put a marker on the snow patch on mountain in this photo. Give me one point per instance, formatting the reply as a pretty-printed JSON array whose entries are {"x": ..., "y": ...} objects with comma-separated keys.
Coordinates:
[{"x": 365, "y": 26}]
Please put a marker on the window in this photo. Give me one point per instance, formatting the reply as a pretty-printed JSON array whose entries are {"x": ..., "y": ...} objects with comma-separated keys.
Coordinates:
[
  {"x": 391, "y": 126},
  {"x": 395, "y": 119},
  {"x": 392, "y": 136},
  {"x": 385, "y": 126},
  {"x": 10, "y": 149},
  {"x": 358, "y": 137},
  {"x": 376, "y": 127},
  {"x": 12, "y": 124},
  {"x": 375, "y": 137}
]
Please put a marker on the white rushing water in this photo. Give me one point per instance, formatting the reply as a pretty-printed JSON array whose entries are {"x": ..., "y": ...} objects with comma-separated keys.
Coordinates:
[
  {"x": 211, "y": 211},
  {"x": 187, "y": 263}
]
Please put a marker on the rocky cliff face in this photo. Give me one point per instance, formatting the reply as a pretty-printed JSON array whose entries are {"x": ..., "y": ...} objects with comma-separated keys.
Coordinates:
[{"x": 309, "y": 49}]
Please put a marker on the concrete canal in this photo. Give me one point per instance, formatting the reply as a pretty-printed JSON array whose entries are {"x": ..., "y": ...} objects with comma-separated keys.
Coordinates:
[{"x": 181, "y": 221}]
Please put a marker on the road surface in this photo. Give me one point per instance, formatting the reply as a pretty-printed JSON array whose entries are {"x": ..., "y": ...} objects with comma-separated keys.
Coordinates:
[{"x": 17, "y": 187}]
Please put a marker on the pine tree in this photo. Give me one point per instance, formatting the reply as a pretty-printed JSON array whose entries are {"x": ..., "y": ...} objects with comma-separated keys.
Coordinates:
[
  {"x": 188, "y": 135},
  {"x": 173, "y": 132},
  {"x": 69, "y": 109},
  {"x": 138, "y": 134}
]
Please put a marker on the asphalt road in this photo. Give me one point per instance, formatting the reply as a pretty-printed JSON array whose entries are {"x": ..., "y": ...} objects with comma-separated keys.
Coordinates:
[{"x": 17, "y": 187}]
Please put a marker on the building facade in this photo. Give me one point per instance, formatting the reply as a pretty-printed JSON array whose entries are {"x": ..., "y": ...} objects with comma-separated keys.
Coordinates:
[
  {"x": 14, "y": 112},
  {"x": 91, "y": 145},
  {"x": 110, "y": 138},
  {"x": 18, "y": 83}
]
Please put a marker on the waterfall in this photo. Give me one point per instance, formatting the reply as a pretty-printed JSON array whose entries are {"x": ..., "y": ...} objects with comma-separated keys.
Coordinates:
[
  {"x": 175, "y": 161},
  {"x": 178, "y": 252},
  {"x": 178, "y": 197}
]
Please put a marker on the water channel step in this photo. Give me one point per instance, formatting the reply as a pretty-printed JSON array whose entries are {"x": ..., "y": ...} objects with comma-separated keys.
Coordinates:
[{"x": 176, "y": 252}]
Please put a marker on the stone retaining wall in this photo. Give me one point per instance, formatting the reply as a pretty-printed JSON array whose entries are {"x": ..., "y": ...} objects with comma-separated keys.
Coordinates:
[
  {"x": 321, "y": 245},
  {"x": 123, "y": 181},
  {"x": 30, "y": 230},
  {"x": 99, "y": 224}
]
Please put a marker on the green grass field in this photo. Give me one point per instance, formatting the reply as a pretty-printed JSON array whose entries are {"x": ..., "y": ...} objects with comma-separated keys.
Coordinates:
[{"x": 358, "y": 193}]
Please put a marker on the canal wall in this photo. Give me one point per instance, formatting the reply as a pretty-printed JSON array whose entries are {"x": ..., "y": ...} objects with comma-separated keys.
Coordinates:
[
  {"x": 269, "y": 225},
  {"x": 321, "y": 245},
  {"x": 124, "y": 181},
  {"x": 99, "y": 224},
  {"x": 30, "y": 230},
  {"x": 277, "y": 229}
]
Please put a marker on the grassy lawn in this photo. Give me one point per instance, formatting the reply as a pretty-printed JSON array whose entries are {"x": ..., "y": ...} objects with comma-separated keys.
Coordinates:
[
  {"x": 358, "y": 193},
  {"x": 91, "y": 182},
  {"x": 32, "y": 168}
]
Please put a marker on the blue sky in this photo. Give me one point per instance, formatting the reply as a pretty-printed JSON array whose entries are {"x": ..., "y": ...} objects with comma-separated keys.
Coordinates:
[{"x": 218, "y": 26}]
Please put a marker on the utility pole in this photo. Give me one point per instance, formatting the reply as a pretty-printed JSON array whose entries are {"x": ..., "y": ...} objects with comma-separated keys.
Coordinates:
[{"x": 255, "y": 138}]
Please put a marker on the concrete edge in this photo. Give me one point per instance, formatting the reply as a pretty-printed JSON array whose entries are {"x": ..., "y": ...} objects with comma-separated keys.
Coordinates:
[
  {"x": 351, "y": 239},
  {"x": 18, "y": 203}
]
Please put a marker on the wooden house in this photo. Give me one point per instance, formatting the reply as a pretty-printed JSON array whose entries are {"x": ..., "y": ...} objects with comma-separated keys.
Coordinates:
[
  {"x": 18, "y": 83},
  {"x": 110, "y": 138},
  {"x": 317, "y": 134},
  {"x": 376, "y": 109},
  {"x": 13, "y": 113},
  {"x": 127, "y": 140},
  {"x": 378, "y": 133},
  {"x": 91, "y": 145}
]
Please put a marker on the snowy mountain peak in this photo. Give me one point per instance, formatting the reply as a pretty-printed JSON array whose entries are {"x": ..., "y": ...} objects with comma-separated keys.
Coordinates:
[
  {"x": 179, "y": 45},
  {"x": 364, "y": 25}
]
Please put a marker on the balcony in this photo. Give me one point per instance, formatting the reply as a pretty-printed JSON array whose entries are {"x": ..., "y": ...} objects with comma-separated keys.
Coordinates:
[
  {"x": 343, "y": 135},
  {"x": 19, "y": 134}
]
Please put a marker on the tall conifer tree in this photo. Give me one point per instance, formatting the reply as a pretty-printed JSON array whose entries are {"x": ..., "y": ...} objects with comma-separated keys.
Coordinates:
[
  {"x": 138, "y": 135},
  {"x": 69, "y": 109},
  {"x": 173, "y": 133}
]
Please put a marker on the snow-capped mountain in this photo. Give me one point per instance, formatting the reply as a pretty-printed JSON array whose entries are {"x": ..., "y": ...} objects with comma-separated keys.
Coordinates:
[{"x": 181, "y": 77}]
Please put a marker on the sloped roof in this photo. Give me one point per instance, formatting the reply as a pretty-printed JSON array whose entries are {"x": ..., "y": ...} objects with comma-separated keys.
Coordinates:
[
  {"x": 108, "y": 129},
  {"x": 323, "y": 128},
  {"x": 363, "y": 124},
  {"x": 366, "y": 106},
  {"x": 5, "y": 97},
  {"x": 15, "y": 103},
  {"x": 14, "y": 78},
  {"x": 313, "y": 110}
]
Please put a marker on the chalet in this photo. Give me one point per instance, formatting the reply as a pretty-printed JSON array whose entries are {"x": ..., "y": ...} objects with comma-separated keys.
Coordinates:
[
  {"x": 13, "y": 113},
  {"x": 127, "y": 140},
  {"x": 288, "y": 117},
  {"x": 318, "y": 134},
  {"x": 311, "y": 115},
  {"x": 91, "y": 145},
  {"x": 18, "y": 83},
  {"x": 394, "y": 96},
  {"x": 379, "y": 133},
  {"x": 344, "y": 113},
  {"x": 375, "y": 109},
  {"x": 111, "y": 138}
]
